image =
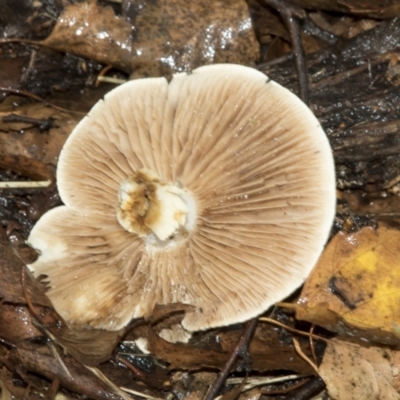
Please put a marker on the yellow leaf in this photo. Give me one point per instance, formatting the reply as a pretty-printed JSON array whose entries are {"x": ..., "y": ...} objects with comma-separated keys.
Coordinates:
[{"x": 355, "y": 287}]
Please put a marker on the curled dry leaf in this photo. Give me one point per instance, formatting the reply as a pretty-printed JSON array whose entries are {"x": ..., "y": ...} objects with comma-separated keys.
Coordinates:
[
  {"x": 355, "y": 287},
  {"x": 353, "y": 372}
]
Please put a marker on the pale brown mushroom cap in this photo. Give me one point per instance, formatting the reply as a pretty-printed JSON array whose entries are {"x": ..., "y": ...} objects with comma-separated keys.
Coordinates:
[{"x": 260, "y": 170}]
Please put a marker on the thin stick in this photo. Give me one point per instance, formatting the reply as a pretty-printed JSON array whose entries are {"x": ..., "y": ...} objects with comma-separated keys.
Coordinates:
[
  {"x": 24, "y": 184},
  {"x": 240, "y": 348},
  {"x": 302, "y": 355},
  {"x": 290, "y": 15},
  {"x": 146, "y": 396},
  {"x": 34, "y": 97},
  {"x": 312, "y": 346},
  {"x": 290, "y": 329},
  {"x": 110, "y": 79},
  {"x": 262, "y": 380},
  {"x": 130, "y": 366}
]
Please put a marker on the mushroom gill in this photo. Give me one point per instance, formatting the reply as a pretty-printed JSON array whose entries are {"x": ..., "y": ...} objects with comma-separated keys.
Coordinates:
[{"x": 216, "y": 190}]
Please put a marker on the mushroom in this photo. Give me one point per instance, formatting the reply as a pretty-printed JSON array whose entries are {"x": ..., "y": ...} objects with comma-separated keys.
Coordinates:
[{"x": 216, "y": 190}]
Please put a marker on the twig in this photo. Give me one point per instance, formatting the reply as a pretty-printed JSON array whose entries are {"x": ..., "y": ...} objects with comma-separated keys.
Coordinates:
[
  {"x": 339, "y": 77},
  {"x": 312, "y": 346},
  {"x": 34, "y": 97},
  {"x": 43, "y": 124},
  {"x": 146, "y": 396},
  {"x": 24, "y": 184},
  {"x": 290, "y": 329},
  {"x": 239, "y": 350},
  {"x": 290, "y": 15},
  {"x": 119, "y": 391},
  {"x": 262, "y": 380},
  {"x": 130, "y": 366},
  {"x": 110, "y": 79},
  {"x": 7, "y": 343},
  {"x": 101, "y": 77},
  {"x": 302, "y": 355},
  {"x": 308, "y": 390},
  {"x": 286, "y": 389}
]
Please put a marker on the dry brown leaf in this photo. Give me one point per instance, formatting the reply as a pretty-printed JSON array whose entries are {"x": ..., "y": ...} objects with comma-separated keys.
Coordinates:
[
  {"x": 355, "y": 287},
  {"x": 352, "y": 372}
]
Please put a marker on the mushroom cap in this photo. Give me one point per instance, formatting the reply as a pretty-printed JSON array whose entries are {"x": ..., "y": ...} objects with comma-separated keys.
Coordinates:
[{"x": 261, "y": 173}]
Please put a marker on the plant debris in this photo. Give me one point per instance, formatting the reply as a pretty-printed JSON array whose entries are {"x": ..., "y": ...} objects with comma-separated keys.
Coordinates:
[{"x": 345, "y": 330}]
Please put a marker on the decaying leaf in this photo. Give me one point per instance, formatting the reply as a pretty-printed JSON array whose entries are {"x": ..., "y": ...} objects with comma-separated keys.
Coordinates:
[
  {"x": 355, "y": 287},
  {"x": 169, "y": 35},
  {"x": 92, "y": 31},
  {"x": 177, "y": 35},
  {"x": 33, "y": 169},
  {"x": 211, "y": 349},
  {"x": 352, "y": 372},
  {"x": 26, "y": 139},
  {"x": 70, "y": 373}
]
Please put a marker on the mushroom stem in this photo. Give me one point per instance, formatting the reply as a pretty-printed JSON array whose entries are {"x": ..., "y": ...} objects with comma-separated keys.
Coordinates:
[{"x": 149, "y": 206}]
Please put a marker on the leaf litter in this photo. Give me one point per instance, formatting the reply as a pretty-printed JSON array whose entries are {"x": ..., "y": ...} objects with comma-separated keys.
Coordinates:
[{"x": 354, "y": 293}]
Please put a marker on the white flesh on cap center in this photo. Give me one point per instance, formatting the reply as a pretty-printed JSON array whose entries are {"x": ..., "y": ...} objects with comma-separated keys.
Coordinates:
[{"x": 158, "y": 212}]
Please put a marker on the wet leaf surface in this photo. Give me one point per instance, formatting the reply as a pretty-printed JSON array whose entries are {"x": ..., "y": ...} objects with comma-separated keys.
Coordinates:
[
  {"x": 95, "y": 32},
  {"x": 165, "y": 36},
  {"x": 175, "y": 35},
  {"x": 354, "y": 288}
]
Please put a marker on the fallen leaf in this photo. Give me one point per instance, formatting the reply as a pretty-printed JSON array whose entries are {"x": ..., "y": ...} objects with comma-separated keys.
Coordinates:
[
  {"x": 177, "y": 35},
  {"x": 355, "y": 287},
  {"x": 353, "y": 372},
  {"x": 182, "y": 355},
  {"x": 33, "y": 169},
  {"x": 92, "y": 31},
  {"x": 71, "y": 374},
  {"x": 24, "y": 139},
  {"x": 169, "y": 35}
]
